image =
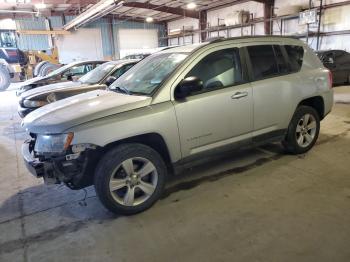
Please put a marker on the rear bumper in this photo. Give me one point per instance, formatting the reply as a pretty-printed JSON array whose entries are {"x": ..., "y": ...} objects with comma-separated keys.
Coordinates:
[{"x": 328, "y": 98}]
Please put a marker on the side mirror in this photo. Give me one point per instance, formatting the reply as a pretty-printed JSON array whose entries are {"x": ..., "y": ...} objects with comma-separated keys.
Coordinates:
[
  {"x": 110, "y": 80},
  {"x": 69, "y": 76},
  {"x": 329, "y": 60},
  {"x": 188, "y": 86}
]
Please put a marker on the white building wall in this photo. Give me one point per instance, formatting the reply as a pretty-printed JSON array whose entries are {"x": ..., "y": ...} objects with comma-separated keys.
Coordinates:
[
  {"x": 334, "y": 19},
  {"x": 224, "y": 15},
  {"x": 179, "y": 24}
]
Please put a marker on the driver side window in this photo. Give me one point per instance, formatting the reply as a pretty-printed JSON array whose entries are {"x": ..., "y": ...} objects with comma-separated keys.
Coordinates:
[
  {"x": 118, "y": 73},
  {"x": 79, "y": 70},
  {"x": 219, "y": 69}
]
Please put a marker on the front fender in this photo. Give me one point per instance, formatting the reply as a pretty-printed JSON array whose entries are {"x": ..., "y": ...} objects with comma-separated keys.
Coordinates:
[{"x": 159, "y": 119}]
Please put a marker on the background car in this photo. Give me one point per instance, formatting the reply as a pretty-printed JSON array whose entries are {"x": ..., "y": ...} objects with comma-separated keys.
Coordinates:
[
  {"x": 99, "y": 78},
  {"x": 68, "y": 72},
  {"x": 338, "y": 61}
]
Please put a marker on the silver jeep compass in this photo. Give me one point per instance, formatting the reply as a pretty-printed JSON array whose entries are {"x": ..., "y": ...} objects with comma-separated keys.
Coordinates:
[{"x": 176, "y": 106}]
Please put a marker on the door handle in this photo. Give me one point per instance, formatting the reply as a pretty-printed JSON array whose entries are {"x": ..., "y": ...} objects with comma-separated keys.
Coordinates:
[{"x": 239, "y": 95}]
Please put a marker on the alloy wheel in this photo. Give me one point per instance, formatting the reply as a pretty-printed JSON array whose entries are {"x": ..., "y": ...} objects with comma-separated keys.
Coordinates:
[
  {"x": 133, "y": 181},
  {"x": 306, "y": 130}
]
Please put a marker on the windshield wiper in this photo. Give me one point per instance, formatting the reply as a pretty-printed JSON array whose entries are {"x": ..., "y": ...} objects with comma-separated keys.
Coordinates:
[{"x": 121, "y": 90}]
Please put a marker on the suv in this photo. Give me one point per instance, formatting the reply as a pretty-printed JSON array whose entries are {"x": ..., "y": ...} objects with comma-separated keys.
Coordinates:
[{"x": 176, "y": 106}]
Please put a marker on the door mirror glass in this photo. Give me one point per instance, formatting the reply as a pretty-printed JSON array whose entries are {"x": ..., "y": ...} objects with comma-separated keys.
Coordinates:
[
  {"x": 110, "y": 80},
  {"x": 188, "y": 86}
]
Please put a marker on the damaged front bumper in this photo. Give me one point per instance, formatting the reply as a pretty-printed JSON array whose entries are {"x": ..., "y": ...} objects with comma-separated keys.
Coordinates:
[
  {"x": 71, "y": 169},
  {"x": 34, "y": 166}
]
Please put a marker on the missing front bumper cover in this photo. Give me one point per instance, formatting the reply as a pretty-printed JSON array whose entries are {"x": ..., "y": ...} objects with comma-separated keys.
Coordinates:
[{"x": 70, "y": 169}]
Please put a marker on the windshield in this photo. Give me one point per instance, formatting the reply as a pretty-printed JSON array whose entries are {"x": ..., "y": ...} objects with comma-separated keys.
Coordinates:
[
  {"x": 59, "y": 70},
  {"x": 96, "y": 75},
  {"x": 147, "y": 76}
]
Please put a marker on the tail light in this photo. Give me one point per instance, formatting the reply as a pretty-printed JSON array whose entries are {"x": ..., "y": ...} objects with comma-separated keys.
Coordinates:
[{"x": 330, "y": 79}]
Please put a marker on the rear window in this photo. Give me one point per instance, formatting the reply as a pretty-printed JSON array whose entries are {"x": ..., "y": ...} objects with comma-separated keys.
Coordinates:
[
  {"x": 263, "y": 61},
  {"x": 283, "y": 67},
  {"x": 295, "y": 57}
]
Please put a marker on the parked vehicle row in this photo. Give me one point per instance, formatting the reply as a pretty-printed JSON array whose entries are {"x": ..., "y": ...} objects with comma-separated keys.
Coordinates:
[
  {"x": 99, "y": 78},
  {"x": 68, "y": 72},
  {"x": 177, "y": 106}
]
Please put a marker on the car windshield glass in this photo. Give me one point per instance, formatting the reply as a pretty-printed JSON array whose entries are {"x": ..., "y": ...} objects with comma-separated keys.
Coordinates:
[
  {"x": 147, "y": 76},
  {"x": 96, "y": 75},
  {"x": 59, "y": 70}
]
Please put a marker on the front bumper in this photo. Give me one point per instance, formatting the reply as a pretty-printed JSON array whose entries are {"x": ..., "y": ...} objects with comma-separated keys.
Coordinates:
[
  {"x": 23, "y": 111},
  {"x": 76, "y": 171},
  {"x": 34, "y": 166}
]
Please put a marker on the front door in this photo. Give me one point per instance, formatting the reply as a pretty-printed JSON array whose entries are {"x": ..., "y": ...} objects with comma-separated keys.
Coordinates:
[{"x": 221, "y": 114}]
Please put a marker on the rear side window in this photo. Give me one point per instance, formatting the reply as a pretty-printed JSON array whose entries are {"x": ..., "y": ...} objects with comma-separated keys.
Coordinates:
[
  {"x": 283, "y": 67},
  {"x": 295, "y": 57},
  {"x": 264, "y": 64}
]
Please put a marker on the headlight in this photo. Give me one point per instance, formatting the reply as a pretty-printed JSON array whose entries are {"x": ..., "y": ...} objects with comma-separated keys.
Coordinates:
[
  {"x": 51, "y": 98},
  {"x": 53, "y": 143},
  {"x": 34, "y": 104},
  {"x": 25, "y": 88}
]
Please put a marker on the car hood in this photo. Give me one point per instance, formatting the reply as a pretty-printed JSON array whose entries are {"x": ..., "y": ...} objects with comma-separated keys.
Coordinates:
[
  {"x": 64, "y": 114},
  {"x": 50, "y": 88},
  {"x": 33, "y": 80}
]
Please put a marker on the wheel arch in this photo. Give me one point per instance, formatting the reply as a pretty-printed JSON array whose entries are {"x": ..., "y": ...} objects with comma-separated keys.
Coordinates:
[
  {"x": 316, "y": 103},
  {"x": 153, "y": 140}
]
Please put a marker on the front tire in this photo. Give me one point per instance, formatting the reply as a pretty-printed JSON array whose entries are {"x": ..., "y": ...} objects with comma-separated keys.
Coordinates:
[
  {"x": 303, "y": 130},
  {"x": 130, "y": 178}
]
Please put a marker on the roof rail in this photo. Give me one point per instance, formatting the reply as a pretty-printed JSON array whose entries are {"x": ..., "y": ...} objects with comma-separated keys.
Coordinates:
[
  {"x": 216, "y": 39},
  {"x": 221, "y": 39}
]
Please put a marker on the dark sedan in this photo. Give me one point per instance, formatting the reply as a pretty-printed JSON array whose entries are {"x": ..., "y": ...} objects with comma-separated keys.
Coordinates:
[
  {"x": 99, "y": 78},
  {"x": 68, "y": 72},
  {"x": 338, "y": 61}
]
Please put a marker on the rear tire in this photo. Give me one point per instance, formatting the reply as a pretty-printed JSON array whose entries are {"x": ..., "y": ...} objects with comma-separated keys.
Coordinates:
[
  {"x": 303, "y": 130},
  {"x": 130, "y": 178},
  {"x": 4, "y": 78}
]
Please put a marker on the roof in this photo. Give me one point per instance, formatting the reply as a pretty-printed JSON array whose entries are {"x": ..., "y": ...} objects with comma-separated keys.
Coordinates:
[
  {"x": 123, "y": 61},
  {"x": 192, "y": 47},
  {"x": 86, "y": 62},
  {"x": 327, "y": 51},
  {"x": 183, "y": 49}
]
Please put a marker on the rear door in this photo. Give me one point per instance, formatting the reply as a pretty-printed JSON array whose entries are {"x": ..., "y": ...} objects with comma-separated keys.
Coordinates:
[{"x": 273, "y": 89}]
